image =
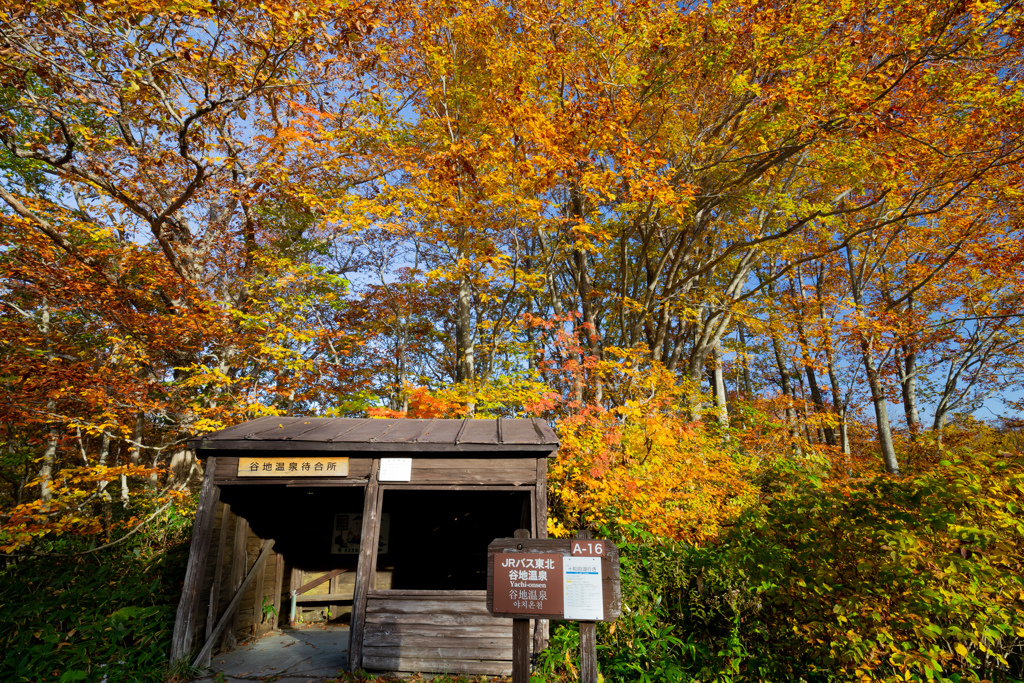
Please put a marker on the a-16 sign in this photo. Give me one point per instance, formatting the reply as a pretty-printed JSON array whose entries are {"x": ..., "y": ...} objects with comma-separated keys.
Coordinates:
[{"x": 569, "y": 579}]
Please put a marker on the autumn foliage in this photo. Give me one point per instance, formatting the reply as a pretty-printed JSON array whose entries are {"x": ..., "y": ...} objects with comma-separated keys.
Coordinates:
[{"x": 718, "y": 246}]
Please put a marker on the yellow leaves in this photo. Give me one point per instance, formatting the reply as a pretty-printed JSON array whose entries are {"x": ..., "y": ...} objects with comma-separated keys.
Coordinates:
[
  {"x": 205, "y": 425},
  {"x": 741, "y": 84},
  {"x": 644, "y": 463}
]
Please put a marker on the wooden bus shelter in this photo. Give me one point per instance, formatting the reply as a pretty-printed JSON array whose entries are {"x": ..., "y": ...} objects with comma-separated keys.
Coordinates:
[{"x": 385, "y": 521}]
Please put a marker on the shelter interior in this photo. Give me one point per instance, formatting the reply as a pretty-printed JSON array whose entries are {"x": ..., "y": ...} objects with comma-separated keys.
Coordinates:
[{"x": 401, "y": 558}]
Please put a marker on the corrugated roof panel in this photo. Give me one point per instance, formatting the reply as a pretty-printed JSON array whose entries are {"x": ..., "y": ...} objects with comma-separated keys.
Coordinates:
[
  {"x": 292, "y": 428},
  {"x": 441, "y": 431},
  {"x": 406, "y": 431},
  {"x": 323, "y": 429},
  {"x": 480, "y": 431},
  {"x": 268, "y": 430},
  {"x": 362, "y": 434},
  {"x": 371, "y": 430},
  {"x": 341, "y": 427},
  {"x": 519, "y": 431}
]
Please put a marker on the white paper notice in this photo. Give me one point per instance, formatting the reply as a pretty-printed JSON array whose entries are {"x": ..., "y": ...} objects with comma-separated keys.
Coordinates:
[
  {"x": 395, "y": 469},
  {"x": 581, "y": 586}
]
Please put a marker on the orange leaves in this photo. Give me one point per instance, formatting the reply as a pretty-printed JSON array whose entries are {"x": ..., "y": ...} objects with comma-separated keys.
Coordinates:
[
  {"x": 646, "y": 463},
  {"x": 424, "y": 405},
  {"x": 71, "y": 509}
]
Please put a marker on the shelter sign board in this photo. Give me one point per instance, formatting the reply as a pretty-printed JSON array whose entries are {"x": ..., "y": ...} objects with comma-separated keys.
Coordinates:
[
  {"x": 569, "y": 579},
  {"x": 528, "y": 584},
  {"x": 395, "y": 469},
  {"x": 301, "y": 466}
]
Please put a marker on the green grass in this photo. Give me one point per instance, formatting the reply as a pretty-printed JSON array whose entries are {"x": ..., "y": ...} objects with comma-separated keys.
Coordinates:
[{"x": 106, "y": 616}]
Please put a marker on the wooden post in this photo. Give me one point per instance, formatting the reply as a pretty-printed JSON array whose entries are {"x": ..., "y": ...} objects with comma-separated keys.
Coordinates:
[
  {"x": 186, "y": 623},
  {"x": 521, "y": 639},
  {"x": 588, "y": 640},
  {"x": 365, "y": 569},
  {"x": 332, "y": 588},
  {"x": 239, "y": 560},
  {"x": 296, "y": 580},
  {"x": 278, "y": 586},
  {"x": 257, "y": 602},
  {"x": 218, "y": 571},
  {"x": 588, "y": 652},
  {"x": 540, "y": 522}
]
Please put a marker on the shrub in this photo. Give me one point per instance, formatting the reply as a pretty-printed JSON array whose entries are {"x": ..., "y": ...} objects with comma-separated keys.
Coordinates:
[
  {"x": 105, "y": 616},
  {"x": 914, "y": 578}
]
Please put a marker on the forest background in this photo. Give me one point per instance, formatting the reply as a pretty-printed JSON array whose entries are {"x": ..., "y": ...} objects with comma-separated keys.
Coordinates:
[{"x": 758, "y": 262}]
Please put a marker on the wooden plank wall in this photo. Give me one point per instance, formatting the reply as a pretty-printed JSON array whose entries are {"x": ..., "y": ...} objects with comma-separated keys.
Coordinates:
[
  {"x": 340, "y": 588},
  {"x": 437, "y": 632},
  {"x": 233, "y": 550},
  {"x": 402, "y": 632},
  {"x": 495, "y": 471}
]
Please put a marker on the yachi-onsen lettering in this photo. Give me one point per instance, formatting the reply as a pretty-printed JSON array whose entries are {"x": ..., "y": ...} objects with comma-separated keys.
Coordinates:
[
  {"x": 529, "y": 586},
  {"x": 329, "y": 466}
]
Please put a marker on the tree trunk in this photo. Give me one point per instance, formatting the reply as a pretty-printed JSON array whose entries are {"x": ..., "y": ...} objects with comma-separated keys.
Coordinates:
[
  {"x": 812, "y": 384},
  {"x": 105, "y": 508},
  {"x": 465, "y": 331},
  {"x": 49, "y": 459},
  {"x": 718, "y": 383},
  {"x": 908, "y": 385},
  {"x": 787, "y": 389},
  {"x": 874, "y": 381},
  {"x": 748, "y": 386},
  {"x": 881, "y": 411},
  {"x": 838, "y": 405},
  {"x": 589, "y": 328}
]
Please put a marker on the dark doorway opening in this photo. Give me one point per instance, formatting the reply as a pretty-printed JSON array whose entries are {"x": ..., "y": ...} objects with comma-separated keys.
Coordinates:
[
  {"x": 311, "y": 528},
  {"x": 437, "y": 540}
]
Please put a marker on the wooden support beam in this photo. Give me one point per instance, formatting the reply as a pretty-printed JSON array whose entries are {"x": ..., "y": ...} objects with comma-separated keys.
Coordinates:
[
  {"x": 239, "y": 560},
  {"x": 316, "y": 582},
  {"x": 365, "y": 568},
  {"x": 333, "y": 588},
  {"x": 540, "y": 520},
  {"x": 187, "y": 621},
  {"x": 335, "y": 598},
  {"x": 588, "y": 639},
  {"x": 295, "y": 580},
  {"x": 213, "y": 605},
  {"x": 278, "y": 587},
  {"x": 232, "y": 608},
  {"x": 257, "y": 602}
]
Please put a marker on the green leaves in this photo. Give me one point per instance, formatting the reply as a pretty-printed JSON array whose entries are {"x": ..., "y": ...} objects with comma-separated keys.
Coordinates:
[
  {"x": 912, "y": 579},
  {"x": 107, "y": 616}
]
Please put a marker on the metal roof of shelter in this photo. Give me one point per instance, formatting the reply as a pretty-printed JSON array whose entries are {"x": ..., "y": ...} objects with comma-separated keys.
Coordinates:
[{"x": 508, "y": 436}]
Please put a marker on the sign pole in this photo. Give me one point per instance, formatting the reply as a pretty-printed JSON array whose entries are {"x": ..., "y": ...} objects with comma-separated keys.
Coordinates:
[
  {"x": 588, "y": 639},
  {"x": 566, "y": 579},
  {"x": 521, "y": 639}
]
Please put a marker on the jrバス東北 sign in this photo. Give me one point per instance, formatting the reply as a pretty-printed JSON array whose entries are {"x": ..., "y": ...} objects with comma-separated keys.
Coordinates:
[
  {"x": 528, "y": 584},
  {"x": 569, "y": 579}
]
